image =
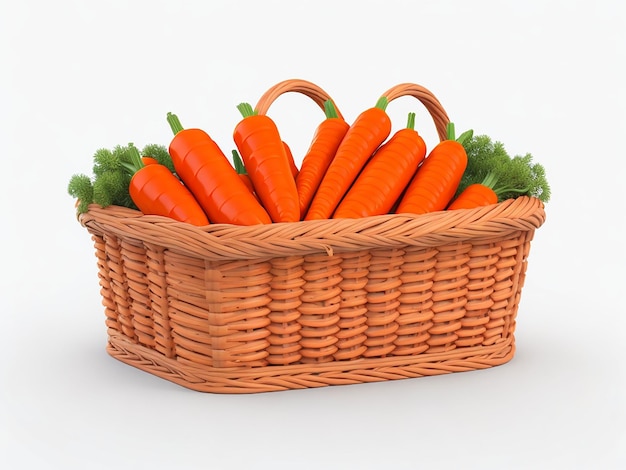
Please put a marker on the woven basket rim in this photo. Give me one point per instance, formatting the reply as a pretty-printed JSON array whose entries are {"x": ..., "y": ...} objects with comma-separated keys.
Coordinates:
[{"x": 225, "y": 241}]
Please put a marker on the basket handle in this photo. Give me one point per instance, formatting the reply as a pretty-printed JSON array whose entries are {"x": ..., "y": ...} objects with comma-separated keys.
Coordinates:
[
  {"x": 305, "y": 87},
  {"x": 428, "y": 99}
]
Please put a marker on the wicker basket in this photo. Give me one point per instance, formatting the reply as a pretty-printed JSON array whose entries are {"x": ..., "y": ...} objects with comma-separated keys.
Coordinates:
[{"x": 245, "y": 309}]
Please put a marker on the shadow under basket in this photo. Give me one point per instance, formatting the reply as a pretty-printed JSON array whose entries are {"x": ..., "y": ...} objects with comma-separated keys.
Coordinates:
[{"x": 234, "y": 309}]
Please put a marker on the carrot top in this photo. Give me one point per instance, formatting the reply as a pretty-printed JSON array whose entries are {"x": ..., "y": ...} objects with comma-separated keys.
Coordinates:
[
  {"x": 490, "y": 164},
  {"x": 160, "y": 154},
  {"x": 410, "y": 122},
  {"x": 451, "y": 134},
  {"x": 81, "y": 187},
  {"x": 131, "y": 159},
  {"x": 109, "y": 184},
  {"x": 329, "y": 110},
  {"x": 246, "y": 110},
  {"x": 111, "y": 176},
  {"x": 174, "y": 123},
  {"x": 240, "y": 168}
]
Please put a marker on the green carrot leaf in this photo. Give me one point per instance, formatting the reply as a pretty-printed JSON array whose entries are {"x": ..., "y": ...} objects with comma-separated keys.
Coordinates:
[
  {"x": 104, "y": 160},
  {"x": 81, "y": 188},
  {"x": 131, "y": 160},
  {"x": 160, "y": 154},
  {"x": 490, "y": 164},
  {"x": 465, "y": 136},
  {"x": 451, "y": 134},
  {"x": 112, "y": 172},
  {"x": 112, "y": 189}
]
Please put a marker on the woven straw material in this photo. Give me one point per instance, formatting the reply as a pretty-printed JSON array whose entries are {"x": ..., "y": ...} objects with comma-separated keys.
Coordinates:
[
  {"x": 232, "y": 309},
  {"x": 304, "y": 87},
  {"x": 245, "y": 309}
]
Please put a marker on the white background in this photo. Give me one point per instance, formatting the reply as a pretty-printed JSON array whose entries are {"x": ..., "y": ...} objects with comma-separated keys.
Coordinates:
[{"x": 545, "y": 77}]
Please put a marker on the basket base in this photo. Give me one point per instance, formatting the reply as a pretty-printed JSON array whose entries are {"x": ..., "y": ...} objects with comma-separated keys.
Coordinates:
[{"x": 276, "y": 378}]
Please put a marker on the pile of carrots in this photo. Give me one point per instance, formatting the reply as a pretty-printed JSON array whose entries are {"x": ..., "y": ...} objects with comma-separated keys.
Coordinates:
[{"x": 350, "y": 170}]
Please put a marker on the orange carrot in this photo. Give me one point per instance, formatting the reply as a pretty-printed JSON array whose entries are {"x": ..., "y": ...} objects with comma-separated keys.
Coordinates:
[
  {"x": 292, "y": 162},
  {"x": 385, "y": 175},
  {"x": 204, "y": 168},
  {"x": 149, "y": 160},
  {"x": 506, "y": 178},
  {"x": 266, "y": 161},
  {"x": 321, "y": 152},
  {"x": 475, "y": 195},
  {"x": 155, "y": 190},
  {"x": 365, "y": 135},
  {"x": 438, "y": 178}
]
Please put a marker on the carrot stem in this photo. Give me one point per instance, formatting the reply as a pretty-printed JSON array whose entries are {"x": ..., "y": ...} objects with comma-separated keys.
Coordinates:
[
  {"x": 465, "y": 136},
  {"x": 238, "y": 162},
  {"x": 504, "y": 190},
  {"x": 132, "y": 162},
  {"x": 246, "y": 109},
  {"x": 174, "y": 122},
  {"x": 491, "y": 181},
  {"x": 450, "y": 132},
  {"x": 330, "y": 110},
  {"x": 411, "y": 121},
  {"x": 382, "y": 103}
]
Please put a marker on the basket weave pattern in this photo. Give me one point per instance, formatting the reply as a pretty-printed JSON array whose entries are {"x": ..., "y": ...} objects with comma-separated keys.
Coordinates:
[{"x": 243, "y": 309}]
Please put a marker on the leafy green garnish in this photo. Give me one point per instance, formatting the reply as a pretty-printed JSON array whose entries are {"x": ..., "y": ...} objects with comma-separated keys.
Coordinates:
[
  {"x": 111, "y": 188},
  {"x": 160, "y": 154},
  {"x": 111, "y": 176},
  {"x": 490, "y": 164},
  {"x": 81, "y": 187}
]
